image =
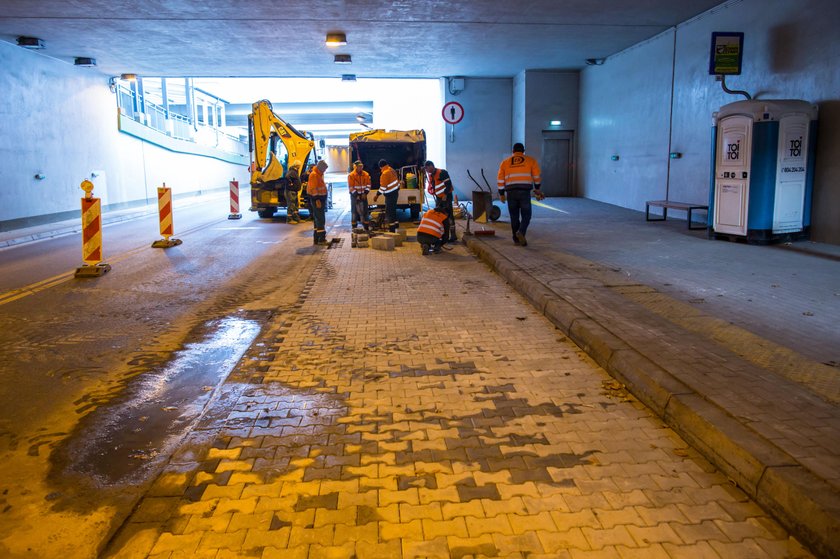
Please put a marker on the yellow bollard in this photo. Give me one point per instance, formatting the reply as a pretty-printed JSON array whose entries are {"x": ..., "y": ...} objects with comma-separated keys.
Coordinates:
[
  {"x": 91, "y": 235},
  {"x": 165, "y": 214}
]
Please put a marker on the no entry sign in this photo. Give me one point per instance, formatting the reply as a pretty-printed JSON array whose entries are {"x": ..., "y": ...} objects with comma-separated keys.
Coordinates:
[{"x": 453, "y": 112}]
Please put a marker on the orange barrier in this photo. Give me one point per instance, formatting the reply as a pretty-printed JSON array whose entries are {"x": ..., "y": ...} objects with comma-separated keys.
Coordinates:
[
  {"x": 165, "y": 213},
  {"x": 234, "y": 200},
  {"x": 91, "y": 235}
]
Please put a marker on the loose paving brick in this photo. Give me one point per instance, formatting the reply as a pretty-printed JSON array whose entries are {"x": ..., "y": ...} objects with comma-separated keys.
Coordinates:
[{"x": 388, "y": 426}]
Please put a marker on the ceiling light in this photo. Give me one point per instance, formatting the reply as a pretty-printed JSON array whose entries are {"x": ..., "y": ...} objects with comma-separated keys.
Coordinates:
[
  {"x": 348, "y": 77},
  {"x": 84, "y": 61},
  {"x": 129, "y": 77},
  {"x": 31, "y": 43},
  {"x": 336, "y": 39},
  {"x": 594, "y": 61},
  {"x": 342, "y": 59}
]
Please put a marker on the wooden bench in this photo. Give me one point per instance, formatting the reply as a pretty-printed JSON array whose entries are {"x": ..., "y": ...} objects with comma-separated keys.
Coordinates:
[{"x": 665, "y": 204}]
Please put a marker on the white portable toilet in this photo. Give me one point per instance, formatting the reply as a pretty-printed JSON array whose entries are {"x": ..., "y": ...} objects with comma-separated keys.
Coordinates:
[{"x": 763, "y": 170}]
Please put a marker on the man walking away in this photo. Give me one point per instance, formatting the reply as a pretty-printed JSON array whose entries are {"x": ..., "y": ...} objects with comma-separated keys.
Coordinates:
[
  {"x": 439, "y": 184},
  {"x": 292, "y": 190},
  {"x": 518, "y": 174},
  {"x": 317, "y": 190},
  {"x": 358, "y": 182},
  {"x": 432, "y": 228},
  {"x": 389, "y": 186}
]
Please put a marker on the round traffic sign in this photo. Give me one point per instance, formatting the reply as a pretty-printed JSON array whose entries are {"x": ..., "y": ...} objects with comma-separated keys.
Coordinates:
[{"x": 453, "y": 112}]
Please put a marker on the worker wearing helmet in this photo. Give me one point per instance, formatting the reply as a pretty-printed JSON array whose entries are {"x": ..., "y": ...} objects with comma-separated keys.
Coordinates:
[
  {"x": 316, "y": 188},
  {"x": 358, "y": 182},
  {"x": 432, "y": 228},
  {"x": 389, "y": 186},
  {"x": 518, "y": 174},
  {"x": 439, "y": 184},
  {"x": 292, "y": 192}
]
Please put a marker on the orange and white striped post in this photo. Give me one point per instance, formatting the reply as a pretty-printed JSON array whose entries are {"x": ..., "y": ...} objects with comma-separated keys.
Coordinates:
[
  {"x": 91, "y": 235},
  {"x": 165, "y": 212},
  {"x": 234, "y": 200}
]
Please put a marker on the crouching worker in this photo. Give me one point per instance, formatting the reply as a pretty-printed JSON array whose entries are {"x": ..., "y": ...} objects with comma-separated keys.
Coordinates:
[{"x": 432, "y": 227}]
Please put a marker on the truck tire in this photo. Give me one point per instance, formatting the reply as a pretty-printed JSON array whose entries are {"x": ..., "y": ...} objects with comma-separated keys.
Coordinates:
[{"x": 266, "y": 212}]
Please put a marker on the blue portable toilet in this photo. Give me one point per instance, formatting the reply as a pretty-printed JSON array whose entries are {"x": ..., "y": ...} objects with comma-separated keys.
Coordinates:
[{"x": 763, "y": 170}]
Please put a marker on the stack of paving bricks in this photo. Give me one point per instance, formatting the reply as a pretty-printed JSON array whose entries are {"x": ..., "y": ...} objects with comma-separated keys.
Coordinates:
[{"x": 434, "y": 438}]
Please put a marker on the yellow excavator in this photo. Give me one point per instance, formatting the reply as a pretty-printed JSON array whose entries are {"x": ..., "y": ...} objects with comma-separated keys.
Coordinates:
[{"x": 274, "y": 144}]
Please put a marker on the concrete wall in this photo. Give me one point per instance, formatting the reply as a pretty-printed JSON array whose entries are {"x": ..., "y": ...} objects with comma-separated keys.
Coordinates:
[
  {"x": 483, "y": 137},
  {"x": 61, "y": 121},
  {"x": 791, "y": 52},
  {"x": 549, "y": 96}
]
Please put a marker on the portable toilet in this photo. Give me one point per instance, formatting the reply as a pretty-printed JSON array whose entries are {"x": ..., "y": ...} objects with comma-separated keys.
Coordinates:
[{"x": 763, "y": 170}]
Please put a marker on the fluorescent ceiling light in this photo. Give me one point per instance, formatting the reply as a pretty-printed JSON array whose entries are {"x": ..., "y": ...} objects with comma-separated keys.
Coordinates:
[
  {"x": 336, "y": 39},
  {"x": 31, "y": 43},
  {"x": 342, "y": 59}
]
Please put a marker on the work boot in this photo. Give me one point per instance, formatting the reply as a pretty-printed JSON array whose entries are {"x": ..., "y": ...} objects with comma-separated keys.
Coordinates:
[
  {"x": 437, "y": 249},
  {"x": 516, "y": 241},
  {"x": 520, "y": 236},
  {"x": 425, "y": 249}
]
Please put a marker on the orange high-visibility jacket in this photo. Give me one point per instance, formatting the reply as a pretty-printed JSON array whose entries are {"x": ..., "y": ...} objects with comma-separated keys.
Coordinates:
[
  {"x": 432, "y": 223},
  {"x": 358, "y": 183},
  {"x": 388, "y": 181},
  {"x": 438, "y": 183},
  {"x": 316, "y": 185},
  {"x": 518, "y": 172}
]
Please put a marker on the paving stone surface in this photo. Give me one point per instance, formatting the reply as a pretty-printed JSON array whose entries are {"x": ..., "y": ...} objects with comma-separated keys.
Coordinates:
[{"x": 418, "y": 407}]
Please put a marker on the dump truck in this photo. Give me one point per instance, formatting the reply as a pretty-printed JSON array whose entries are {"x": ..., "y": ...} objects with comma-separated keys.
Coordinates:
[
  {"x": 274, "y": 144},
  {"x": 405, "y": 152}
]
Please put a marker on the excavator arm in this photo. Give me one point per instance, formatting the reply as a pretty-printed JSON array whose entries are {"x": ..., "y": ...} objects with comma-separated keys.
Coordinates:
[{"x": 263, "y": 124}]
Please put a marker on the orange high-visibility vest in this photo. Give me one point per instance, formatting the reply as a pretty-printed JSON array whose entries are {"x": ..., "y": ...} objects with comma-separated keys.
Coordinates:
[
  {"x": 316, "y": 185},
  {"x": 358, "y": 183},
  {"x": 432, "y": 223},
  {"x": 388, "y": 181},
  {"x": 518, "y": 172},
  {"x": 436, "y": 186}
]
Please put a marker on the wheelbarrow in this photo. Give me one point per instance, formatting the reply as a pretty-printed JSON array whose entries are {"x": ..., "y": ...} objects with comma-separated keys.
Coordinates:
[{"x": 482, "y": 200}]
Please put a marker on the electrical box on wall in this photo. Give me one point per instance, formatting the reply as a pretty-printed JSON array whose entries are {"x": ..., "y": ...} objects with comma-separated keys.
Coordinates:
[
  {"x": 456, "y": 85},
  {"x": 763, "y": 169}
]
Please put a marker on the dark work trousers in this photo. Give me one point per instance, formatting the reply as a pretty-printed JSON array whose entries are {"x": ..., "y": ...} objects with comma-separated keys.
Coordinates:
[
  {"x": 391, "y": 209},
  {"x": 519, "y": 207},
  {"x": 318, "y": 207},
  {"x": 427, "y": 239},
  {"x": 449, "y": 235}
]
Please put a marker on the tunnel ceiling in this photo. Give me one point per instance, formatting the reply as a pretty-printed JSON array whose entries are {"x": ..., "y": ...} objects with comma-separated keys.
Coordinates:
[{"x": 386, "y": 38}]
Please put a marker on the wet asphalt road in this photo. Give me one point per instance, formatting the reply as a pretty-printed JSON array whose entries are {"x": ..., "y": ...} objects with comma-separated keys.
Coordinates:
[{"x": 100, "y": 377}]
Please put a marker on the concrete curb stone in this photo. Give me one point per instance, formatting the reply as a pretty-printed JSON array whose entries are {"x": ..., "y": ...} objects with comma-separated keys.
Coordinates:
[{"x": 804, "y": 503}]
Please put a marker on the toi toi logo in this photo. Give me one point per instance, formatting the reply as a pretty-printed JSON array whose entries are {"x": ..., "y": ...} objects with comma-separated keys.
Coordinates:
[
  {"x": 796, "y": 148},
  {"x": 733, "y": 151}
]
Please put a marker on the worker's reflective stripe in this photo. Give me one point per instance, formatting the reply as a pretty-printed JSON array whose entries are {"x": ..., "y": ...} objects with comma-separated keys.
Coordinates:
[
  {"x": 520, "y": 178},
  {"x": 431, "y": 226},
  {"x": 440, "y": 188},
  {"x": 390, "y": 187},
  {"x": 358, "y": 183}
]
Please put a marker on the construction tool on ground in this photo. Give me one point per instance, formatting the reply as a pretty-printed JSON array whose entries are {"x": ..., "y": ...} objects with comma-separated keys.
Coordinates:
[{"x": 482, "y": 201}]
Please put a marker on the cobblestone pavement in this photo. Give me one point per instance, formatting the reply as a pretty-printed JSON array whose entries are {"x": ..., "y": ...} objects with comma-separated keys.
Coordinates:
[{"x": 417, "y": 407}]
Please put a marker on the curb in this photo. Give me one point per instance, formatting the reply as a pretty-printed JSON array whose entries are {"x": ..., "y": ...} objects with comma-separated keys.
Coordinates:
[{"x": 805, "y": 504}]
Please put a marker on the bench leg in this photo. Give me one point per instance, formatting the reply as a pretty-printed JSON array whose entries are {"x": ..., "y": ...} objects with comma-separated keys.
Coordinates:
[
  {"x": 689, "y": 220},
  {"x": 647, "y": 214}
]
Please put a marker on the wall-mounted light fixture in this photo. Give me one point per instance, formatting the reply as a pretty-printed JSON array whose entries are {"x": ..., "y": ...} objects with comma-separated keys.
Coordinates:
[
  {"x": 31, "y": 43},
  {"x": 675, "y": 155},
  {"x": 614, "y": 158},
  {"x": 129, "y": 77},
  {"x": 556, "y": 123},
  {"x": 342, "y": 59},
  {"x": 336, "y": 39},
  {"x": 84, "y": 61},
  {"x": 595, "y": 61},
  {"x": 40, "y": 176}
]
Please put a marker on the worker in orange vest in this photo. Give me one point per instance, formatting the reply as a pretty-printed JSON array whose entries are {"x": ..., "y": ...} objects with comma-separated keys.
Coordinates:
[
  {"x": 432, "y": 228},
  {"x": 439, "y": 184},
  {"x": 358, "y": 182},
  {"x": 389, "y": 186},
  {"x": 316, "y": 188},
  {"x": 518, "y": 174}
]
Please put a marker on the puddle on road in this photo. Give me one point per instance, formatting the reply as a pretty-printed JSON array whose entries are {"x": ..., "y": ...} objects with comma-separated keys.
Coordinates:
[{"x": 120, "y": 441}]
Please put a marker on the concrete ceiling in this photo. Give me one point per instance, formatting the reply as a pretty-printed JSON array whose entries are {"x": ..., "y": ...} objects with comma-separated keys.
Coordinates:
[{"x": 386, "y": 38}]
